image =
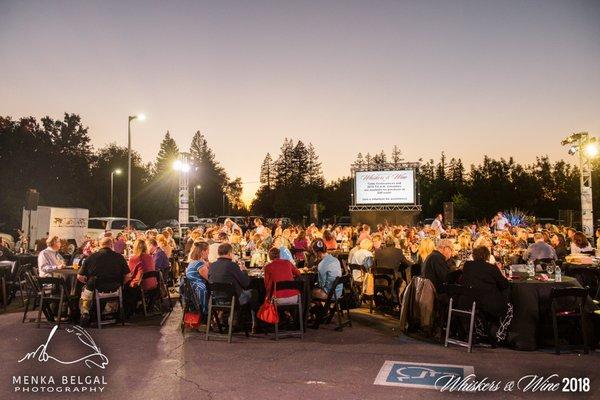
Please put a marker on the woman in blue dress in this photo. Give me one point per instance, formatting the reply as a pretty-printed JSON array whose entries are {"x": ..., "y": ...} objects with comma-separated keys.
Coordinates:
[{"x": 197, "y": 272}]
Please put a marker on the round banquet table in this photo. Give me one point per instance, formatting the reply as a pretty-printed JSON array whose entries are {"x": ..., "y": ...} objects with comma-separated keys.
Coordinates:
[{"x": 531, "y": 311}]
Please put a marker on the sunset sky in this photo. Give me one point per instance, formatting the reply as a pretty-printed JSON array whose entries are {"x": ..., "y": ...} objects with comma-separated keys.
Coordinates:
[{"x": 502, "y": 78}]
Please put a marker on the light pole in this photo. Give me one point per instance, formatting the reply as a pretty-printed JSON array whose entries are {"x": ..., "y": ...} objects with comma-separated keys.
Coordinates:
[
  {"x": 183, "y": 166},
  {"x": 139, "y": 117},
  {"x": 197, "y": 187},
  {"x": 112, "y": 184},
  {"x": 588, "y": 148}
]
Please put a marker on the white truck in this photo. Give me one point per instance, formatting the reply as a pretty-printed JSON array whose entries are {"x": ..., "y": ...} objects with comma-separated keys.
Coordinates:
[{"x": 70, "y": 224}]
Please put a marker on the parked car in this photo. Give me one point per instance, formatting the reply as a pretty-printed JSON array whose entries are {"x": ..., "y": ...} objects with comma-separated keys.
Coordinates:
[
  {"x": 164, "y": 223},
  {"x": 241, "y": 221},
  {"x": 97, "y": 226}
]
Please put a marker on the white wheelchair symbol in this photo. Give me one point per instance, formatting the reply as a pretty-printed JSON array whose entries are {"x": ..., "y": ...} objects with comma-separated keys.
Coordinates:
[{"x": 410, "y": 373}]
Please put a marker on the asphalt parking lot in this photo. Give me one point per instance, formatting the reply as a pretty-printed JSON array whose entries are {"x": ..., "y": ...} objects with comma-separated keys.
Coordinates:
[{"x": 146, "y": 361}]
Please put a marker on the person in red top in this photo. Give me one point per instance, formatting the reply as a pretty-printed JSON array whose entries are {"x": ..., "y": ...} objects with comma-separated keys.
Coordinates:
[
  {"x": 329, "y": 240},
  {"x": 279, "y": 270},
  {"x": 139, "y": 263}
]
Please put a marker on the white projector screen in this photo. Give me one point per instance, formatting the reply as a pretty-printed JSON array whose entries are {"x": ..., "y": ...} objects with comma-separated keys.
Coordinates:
[{"x": 385, "y": 187}]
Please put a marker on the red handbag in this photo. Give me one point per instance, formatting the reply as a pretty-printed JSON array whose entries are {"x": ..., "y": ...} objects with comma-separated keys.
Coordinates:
[
  {"x": 191, "y": 319},
  {"x": 268, "y": 312}
]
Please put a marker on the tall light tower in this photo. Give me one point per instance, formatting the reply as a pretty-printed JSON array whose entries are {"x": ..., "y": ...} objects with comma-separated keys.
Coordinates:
[
  {"x": 588, "y": 149},
  {"x": 183, "y": 166}
]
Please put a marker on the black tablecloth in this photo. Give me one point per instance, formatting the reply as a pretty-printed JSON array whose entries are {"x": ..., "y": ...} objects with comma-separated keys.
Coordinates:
[{"x": 531, "y": 302}]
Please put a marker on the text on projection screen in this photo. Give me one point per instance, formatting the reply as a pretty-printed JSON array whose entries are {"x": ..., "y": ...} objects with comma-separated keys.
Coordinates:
[{"x": 385, "y": 187}]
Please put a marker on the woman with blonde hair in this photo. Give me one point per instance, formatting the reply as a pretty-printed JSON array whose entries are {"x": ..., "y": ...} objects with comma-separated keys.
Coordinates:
[
  {"x": 426, "y": 247},
  {"x": 163, "y": 243},
  {"x": 484, "y": 241},
  {"x": 464, "y": 247},
  {"x": 139, "y": 263}
]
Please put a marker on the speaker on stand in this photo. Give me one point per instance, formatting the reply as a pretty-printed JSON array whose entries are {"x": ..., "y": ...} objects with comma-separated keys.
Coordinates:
[{"x": 32, "y": 198}]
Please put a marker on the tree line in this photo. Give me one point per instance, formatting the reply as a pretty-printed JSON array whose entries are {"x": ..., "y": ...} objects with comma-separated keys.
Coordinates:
[{"x": 56, "y": 158}]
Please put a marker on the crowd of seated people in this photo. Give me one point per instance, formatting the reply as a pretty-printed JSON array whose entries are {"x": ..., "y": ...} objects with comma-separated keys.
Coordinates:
[{"x": 214, "y": 254}]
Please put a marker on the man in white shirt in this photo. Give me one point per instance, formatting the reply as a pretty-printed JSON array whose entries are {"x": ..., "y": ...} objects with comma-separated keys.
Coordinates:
[
  {"x": 49, "y": 259},
  {"x": 500, "y": 222},
  {"x": 213, "y": 249},
  {"x": 437, "y": 225}
]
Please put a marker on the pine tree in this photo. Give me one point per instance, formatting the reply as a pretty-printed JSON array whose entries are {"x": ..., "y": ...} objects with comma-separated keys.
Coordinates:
[
  {"x": 300, "y": 165},
  {"x": 380, "y": 159},
  {"x": 315, "y": 172},
  {"x": 359, "y": 160},
  {"x": 396, "y": 156},
  {"x": 267, "y": 172},
  {"x": 368, "y": 160},
  {"x": 167, "y": 155},
  {"x": 209, "y": 174},
  {"x": 284, "y": 164}
]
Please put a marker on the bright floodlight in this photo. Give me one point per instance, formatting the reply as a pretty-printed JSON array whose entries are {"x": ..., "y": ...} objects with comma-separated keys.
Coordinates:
[
  {"x": 141, "y": 117},
  {"x": 198, "y": 187},
  {"x": 181, "y": 166},
  {"x": 118, "y": 171},
  {"x": 591, "y": 150}
]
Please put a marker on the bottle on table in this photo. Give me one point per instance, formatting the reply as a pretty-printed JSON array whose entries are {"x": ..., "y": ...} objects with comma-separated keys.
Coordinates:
[{"x": 557, "y": 274}]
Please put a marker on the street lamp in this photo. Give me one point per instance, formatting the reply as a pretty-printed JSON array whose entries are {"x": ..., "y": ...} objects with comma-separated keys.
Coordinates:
[
  {"x": 588, "y": 148},
  {"x": 197, "y": 187},
  {"x": 183, "y": 166},
  {"x": 112, "y": 184},
  {"x": 139, "y": 117}
]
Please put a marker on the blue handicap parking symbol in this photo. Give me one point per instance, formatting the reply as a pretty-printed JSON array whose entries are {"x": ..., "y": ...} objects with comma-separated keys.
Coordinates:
[{"x": 419, "y": 375}]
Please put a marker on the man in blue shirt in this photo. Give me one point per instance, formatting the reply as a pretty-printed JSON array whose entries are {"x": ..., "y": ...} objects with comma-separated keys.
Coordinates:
[
  {"x": 539, "y": 250},
  {"x": 328, "y": 269}
]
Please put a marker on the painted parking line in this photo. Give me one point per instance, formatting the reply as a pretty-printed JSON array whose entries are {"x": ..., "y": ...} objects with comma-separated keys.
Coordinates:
[{"x": 419, "y": 375}]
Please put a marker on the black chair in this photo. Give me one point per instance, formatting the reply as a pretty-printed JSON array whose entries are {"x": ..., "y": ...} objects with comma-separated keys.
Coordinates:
[
  {"x": 587, "y": 277},
  {"x": 576, "y": 311},
  {"x": 4, "y": 278},
  {"x": 290, "y": 285},
  {"x": 53, "y": 291},
  {"x": 106, "y": 297},
  {"x": 189, "y": 302},
  {"x": 358, "y": 278},
  {"x": 33, "y": 293},
  {"x": 333, "y": 305},
  {"x": 222, "y": 298},
  {"x": 458, "y": 294},
  {"x": 157, "y": 298},
  {"x": 383, "y": 288}
]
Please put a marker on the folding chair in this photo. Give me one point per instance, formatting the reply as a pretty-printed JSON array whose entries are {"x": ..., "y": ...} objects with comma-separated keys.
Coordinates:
[
  {"x": 332, "y": 306},
  {"x": 299, "y": 286},
  {"x": 156, "y": 297},
  {"x": 454, "y": 293},
  {"x": 108, "y": 296},
  {"x": 222, "y": 298},
  {"x": 588, "y": 277},
  {"x": 576, "y": 311},
  {"x": 383, "y": 287},
  {"x": 189, "y": 302},
  {"x": 53, "y": 290},
  {"x": 34, "y": 293}
]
